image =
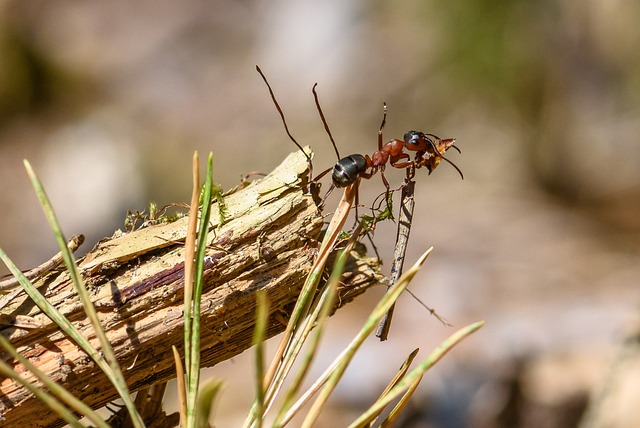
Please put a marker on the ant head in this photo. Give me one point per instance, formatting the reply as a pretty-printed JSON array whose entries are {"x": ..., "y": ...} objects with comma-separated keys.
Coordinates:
[
  {"x": 412, "y": 137},
  {"x": 417, "y": 141}
]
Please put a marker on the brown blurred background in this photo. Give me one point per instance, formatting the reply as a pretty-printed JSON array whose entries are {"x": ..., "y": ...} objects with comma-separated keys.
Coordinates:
[{"x": 109, "y": 100}]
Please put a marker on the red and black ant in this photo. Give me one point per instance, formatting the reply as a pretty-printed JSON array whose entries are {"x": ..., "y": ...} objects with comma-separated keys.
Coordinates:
[{"x": 429, "y": 150}]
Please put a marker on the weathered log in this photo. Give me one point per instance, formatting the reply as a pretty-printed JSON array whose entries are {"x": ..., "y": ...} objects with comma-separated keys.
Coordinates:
[{"x": 267, "y": 241}]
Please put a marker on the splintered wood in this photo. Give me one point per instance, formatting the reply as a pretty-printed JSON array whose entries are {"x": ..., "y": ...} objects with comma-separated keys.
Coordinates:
[{"x": 266, "y": 242}]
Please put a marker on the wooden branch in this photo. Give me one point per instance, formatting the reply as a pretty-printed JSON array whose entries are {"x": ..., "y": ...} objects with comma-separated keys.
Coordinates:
[{"x": 267, "y": 242}]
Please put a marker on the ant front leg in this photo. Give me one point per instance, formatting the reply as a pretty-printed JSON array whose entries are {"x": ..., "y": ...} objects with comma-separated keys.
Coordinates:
[
  {"x": 405, "y": 165},
  {"x": 395, "y": 162}
]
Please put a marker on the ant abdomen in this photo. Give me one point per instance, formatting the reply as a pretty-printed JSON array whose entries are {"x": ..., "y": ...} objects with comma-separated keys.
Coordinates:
[{"x": 348, "y": 169}]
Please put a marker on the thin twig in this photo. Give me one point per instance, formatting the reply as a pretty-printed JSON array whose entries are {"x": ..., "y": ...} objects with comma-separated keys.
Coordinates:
[
  {"x": 402, "y": 238},
  {"x": 44, "y": 268},
  {"x": 37, "y": 272}
]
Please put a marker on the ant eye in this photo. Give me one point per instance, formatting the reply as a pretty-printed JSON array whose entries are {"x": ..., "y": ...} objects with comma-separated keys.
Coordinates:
[
  {"x": 412, "y": 137},
  {"x": 407, "y": 137}
]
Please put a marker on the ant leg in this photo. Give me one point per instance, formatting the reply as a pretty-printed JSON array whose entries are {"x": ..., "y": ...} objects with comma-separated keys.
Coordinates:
[
  {"x": 324, "y": 121},
  {"x": 322, "y": 174},
  {"x": 284, "y": 122},
  {"x": 326, "y": 196},
  {"x": 401, "y": 165},
  {"x": 375, "y": 205},
  {"x": 384, "y": 121},
  {"x": 384, "y": 180},
  {"x": 404, "y": 165},
  {"x": 367, "y": 175}
]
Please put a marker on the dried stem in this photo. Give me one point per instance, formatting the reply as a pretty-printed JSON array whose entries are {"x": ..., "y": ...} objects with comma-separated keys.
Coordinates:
[{"x": 402, "y": 239}]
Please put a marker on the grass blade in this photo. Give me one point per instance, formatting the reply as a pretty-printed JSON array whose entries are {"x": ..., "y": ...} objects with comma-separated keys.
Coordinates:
[
  {"x": 206, "y": 397},
  {"x": 258, "y": 341},
  {"x": 115, "y": 374},
  {"x": 397, "y": 410},
  {"x": 416, "y": 373},
  {"x": 281, "y": 362},
  {"x": 182, "y": 389},
  {"x": 193, "y": 364},
  {"x": 347, "y": 355},
  {"x": 399, "y": 375},
  {"x": 401, "y": 372},
  {"x": 189, "y": 261},
  {"x": 318, "y": 318}
]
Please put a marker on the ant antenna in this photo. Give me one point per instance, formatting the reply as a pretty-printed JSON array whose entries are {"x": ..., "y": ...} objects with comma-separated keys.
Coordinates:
[
  {"x": 435, "y": 148},
  {"x": 442, "y": 156},
  {"x": 284, "y": 122},
  {"x": 454, "y": 165},
  {"x": 324, "y": 121}
]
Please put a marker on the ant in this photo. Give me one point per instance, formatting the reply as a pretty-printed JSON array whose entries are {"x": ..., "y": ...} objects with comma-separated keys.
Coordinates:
[{"x": 429, "y": 150}]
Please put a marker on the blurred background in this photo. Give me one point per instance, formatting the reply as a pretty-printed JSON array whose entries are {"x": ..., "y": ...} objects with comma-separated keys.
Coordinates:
[{"x": 109, "y": 100}]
